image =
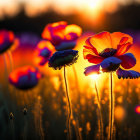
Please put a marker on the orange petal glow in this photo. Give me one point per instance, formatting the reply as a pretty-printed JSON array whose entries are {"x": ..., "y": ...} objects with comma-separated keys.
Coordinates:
[
  {"x": 14, "y": 76},
  {"x": 55, "y": 24},
  {"x": 56, "y": 28},
  {"x": 42, "y": 44},
  {"x": 137, "y": 109},
  {"x": 101, "y": 41},
  {"x": 11, "y": 36},
  {"x": 118, "y": 38},
  {"x": 73, "y": 29}
]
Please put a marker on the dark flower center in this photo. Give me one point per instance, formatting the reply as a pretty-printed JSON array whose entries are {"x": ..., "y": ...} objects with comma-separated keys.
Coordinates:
[
  {"x": 108, "y": 52},
  {"x": 63, "y": 58}
]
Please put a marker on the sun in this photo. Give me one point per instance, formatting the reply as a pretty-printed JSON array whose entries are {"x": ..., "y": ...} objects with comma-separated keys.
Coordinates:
[
  {"x": 94, "y": 4},
  {"x": 94, "y": 76}
]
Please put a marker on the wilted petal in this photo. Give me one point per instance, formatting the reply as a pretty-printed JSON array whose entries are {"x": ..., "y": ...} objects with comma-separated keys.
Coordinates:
[
  {"x": 110, "y": 64},
  {"x": 128, "y": 60},
  {"x": 95, "y": 69},
  {"x": 127, "y": 74}
]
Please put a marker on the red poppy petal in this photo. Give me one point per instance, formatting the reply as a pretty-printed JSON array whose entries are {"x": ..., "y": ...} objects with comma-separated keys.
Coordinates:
[
  {"x": 122, "y": 49},
  {"x": 54, "y": 30},
  {"x": 94, "y": 59},
  {"x": 90, "y": 50},
  {"x": 100, "y": 41},
  {"x": 123, "y": 40},
  {"x": 119, "y": 38},
  {"x": 72, "y": 32},
  {"x": 128, "y": 60}
]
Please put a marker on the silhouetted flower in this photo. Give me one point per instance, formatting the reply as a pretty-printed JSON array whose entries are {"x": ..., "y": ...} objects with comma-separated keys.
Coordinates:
[
  {"x": 110, "y": 59},
  {"x": 44, "y": 51},
  {"x": 7, "y": 39},
  {"x": 63, "y": 58},
  {"x": 61, "y": 35},
  {"x": 25, "y": 77}
]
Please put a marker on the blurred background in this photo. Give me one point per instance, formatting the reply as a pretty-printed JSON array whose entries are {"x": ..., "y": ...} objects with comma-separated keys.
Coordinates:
[
  {"x": 46, "y": 103},
  {"x": 96, "y": 15}
]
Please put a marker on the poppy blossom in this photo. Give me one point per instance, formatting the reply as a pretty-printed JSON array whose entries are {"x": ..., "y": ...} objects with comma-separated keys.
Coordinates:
[
  {"x": 63, "y": 58},
  {"x": 61, "y": 35},
  {"x": 113, "y": 54},
  {"x": 44, "y": 51},
  {"x": 7, "y": 39},
  {"x": 25, "y": 77}
]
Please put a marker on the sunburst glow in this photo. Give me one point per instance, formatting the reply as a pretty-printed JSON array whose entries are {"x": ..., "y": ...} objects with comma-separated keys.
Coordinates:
[{"x": 36, "y": 7}]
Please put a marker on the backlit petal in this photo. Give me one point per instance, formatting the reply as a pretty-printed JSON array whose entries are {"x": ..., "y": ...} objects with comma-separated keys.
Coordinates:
[
  {"x": 100, "y": 41},
  {"x": 94, "y": 59},
  {"x": 128, "y": 60},
  {"x": 127, "y": 74},
  {"x": 122, "y": 49},
  {"x": 72, "y": 32},
  {"x": 95, "y": 69},
  {"x": 119, "y": 38}
]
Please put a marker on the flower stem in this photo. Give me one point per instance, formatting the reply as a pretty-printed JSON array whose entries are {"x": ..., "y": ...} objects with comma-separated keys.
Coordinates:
[
  {"x": 111, "y": 108},
  {"x": 5, "y": 67},
  {"x": 69, "y": 107},
  {"x": 78, "y": 133},
  {"x": 12, "y": 129},
  {"x": 11, "y": 60},
  {"x": 25, "y": 128},
  {"x": 100, "y": 114}
]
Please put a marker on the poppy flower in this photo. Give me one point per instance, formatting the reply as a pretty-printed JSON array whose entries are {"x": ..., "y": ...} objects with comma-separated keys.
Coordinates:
[
  {"x": 113, "y": 55},
  {"x": 24, "y": 77},
  {"x": 61, "y": 35},
  {"x": 44, "y": 51},
  {"x": 7, "y": 39},
  {"x": 63, "y": 58}
]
